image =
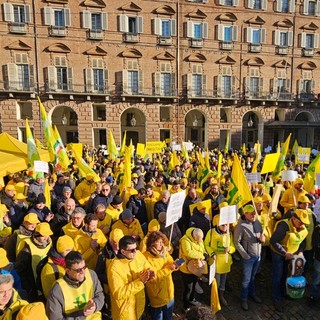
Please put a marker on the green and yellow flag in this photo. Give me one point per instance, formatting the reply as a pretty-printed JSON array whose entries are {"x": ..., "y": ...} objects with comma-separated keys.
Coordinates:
[
  {"x": 33, "y": 154},
  {"x": 238, "y": 191},
  {"x": 257, "y": 158},
  {"x": 63, "y": 160},
  {"x": 112, "y": 147},
  {"x": 84, "y": 167},
  {"x": 226, "y": 146},
  {"x": 280, "y": 164},
  {"x": 47, "y": 132},
  {"x": 310, "y": 177}
]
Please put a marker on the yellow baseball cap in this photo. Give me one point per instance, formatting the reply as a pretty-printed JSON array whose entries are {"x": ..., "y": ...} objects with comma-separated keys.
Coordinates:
[
  {"x": 116, "y": 234},
  {"x": 249, "y": 208},
  {"x": 44, "y": 229},
  {"x": 31, "y": 218},
  {"x": 302, "y": 215}
]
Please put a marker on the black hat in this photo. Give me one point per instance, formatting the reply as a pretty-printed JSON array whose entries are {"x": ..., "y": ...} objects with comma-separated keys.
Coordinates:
[
  {"x": 116, "y": 200},
  {"x": 40, "y": 199}
]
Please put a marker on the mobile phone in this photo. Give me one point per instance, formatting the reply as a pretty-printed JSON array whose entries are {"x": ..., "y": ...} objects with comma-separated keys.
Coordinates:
[{"x": 179, "y": 262}]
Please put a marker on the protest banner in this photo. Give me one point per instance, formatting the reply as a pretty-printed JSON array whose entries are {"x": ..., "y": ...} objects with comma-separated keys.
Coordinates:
[
  {"x": 174, "y": 210},
  {"x": 41, "y": 166},
  {"x": 304, "y": 155},
  {"x": 154, "y": 147},
  {"x": 228, "y": 215},
  {"x": 253, "y": 177},
  {"x": 289, "y": 175},
  {"x": 140, "y": 149}
]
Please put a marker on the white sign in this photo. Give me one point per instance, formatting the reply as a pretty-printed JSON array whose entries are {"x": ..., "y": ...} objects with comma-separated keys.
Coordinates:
[
  {"x": 253, "y": 177},
  {"x": 188, "y": 145},
  {"x": 289, "y": 175},
  {"x": 228, "y": 215},
  {"x": 302, "y": 157},
  {"x": 212, "y": 272},
  {"x": 174, "y": 210},
  {"x": 41, "y": 166},
  {"x": 176, "y": 147}
]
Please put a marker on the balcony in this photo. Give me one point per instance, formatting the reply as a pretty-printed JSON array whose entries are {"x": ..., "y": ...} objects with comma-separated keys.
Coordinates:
[
  {"x": 95, "y": 34},
  {"x": 18, "y": 86},
  {"x": 308, "y": 52},
  {"x": 226, "y": 94},
  {"x": 267, "y": 96},
  {"x": 16, "y": 27},
  {"x": 226, "y": 45},
  {"x": 196, "y": 42},
  {"x": 165, "y": 41},
  {"x": 254, "y": 47},
  {"x": 58, "y": 31},
  {"x": 307, "y": 97},
  {"x": 283, "y": 50},
  {"x": 131, "y": 37}
]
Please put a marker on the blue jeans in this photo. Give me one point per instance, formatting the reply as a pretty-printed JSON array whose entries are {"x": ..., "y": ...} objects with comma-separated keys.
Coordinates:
[
  {"x": 163, "y": 313},
  {"x": 315, "y": 286},
  {"x": 279, "y": 276},
  {"x": 249, "y": 270}
]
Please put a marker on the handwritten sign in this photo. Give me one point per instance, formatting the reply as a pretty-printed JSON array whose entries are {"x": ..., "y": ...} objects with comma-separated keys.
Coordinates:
[
  {"x": 174, "y": 210},
  {"x": 41, "y": 166},
  {"x": 228, "y": 215}
]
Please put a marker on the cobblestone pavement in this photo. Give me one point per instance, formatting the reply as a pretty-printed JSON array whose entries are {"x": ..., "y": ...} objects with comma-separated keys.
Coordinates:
[{"x": 294, "y": 309}]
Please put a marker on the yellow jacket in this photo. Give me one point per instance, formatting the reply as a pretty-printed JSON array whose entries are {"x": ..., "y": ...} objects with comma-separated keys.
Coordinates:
[
  {"x": 215, "y": 243},
  {"x": 48, "y": 277},
  {"x": 82, "y": 243},
  {"x": 133, "y": 229},
  {"x": 161, "y": 289},
  {"x": 150, "y": 202},
  {"x": 112, "y": 215},
  {"x": 287, "y": 200},
  {"x": 70, "y": 230},
  {"x": 189, "y": 250},
  {"x": 15, "y": 306},
  {"x": 126, "y": 289},
  {"x": 83, "y": 191}
]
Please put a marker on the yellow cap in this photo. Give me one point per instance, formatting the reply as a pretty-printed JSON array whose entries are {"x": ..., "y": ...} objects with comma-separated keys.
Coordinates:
[
  {"x": 302, "y": 215},
  {"x": 298, "y": 181},
  {"x": 249, "y": 208},
  {"x": 260, "y": 186},
  {"x": 266, "y": 197},
  {"x": 116, "y": 234},
  {"x": 303, "y": 199},
  {"x": 3, "y": 258},
  {"x": 44, "y": 229},
  {"x": 65, "y": 243},
  {"x": 257, "y": 200},
  {"x": 31, "y": 218},
  {"x": 19, "y": 196},
  {"x": 215, "y": 220},
  {"x": 10, "y": 187},
  {"x": 153, "y": 225},
  {"x": 32, "y": 311},
  {"x": 200, "y": 206},
  {"x": 134, "y": 175}
]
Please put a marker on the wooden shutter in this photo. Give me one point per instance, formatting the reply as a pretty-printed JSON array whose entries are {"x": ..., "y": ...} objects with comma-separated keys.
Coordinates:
[
  {"x": 279, "y": 5},
  {"x": 12, "y": 75},
  {"x": 264, "y": 4},
  {"x": 70, "y": 79},
  {"x": 316, "y": 40},
  {"x": 8, "y": 12},
  {"x": 305, "y": 7},
  {"x": 47, "y": 15},
  {"x": 125, "y": 81},
  {"x": 86, "y": 19},
  {"x": 157, "y": 83},
  {"x": 220, "y": 32},
  {"x": 217, "y": 85},
  {"x": 234, "y": 33},
  {"x": 157, "y": 26},
  {"x": 277, "y": 37},
  {"x": 106, "y": 80},
  {"x": 89, "y": 79},
  {"x": 173, "y": 30},
  {"x": 205, "y": 30},
  {"x": 292, "y": 6},
  {"x": 104, "y": 21},
  {"x": 140, "y": 82},
  {"x": 140, "y": 24},
  {"x": 31, "y": 76},
  {"x": 123, "y": 23},
  {"x": 52, "y": 78},
  {"x": 27, "y": 16},
  {"x": 190, "y": 29}
]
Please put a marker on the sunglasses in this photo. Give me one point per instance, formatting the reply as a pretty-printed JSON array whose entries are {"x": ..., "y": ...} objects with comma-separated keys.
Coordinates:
[
  {"x": 79, "y": 270},
  {"x": 105, "y": 190},
  {"x": 131, "y": 250}
]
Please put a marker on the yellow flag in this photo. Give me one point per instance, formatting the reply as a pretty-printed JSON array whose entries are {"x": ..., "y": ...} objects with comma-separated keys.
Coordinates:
[
  {"x": 226, "y": 146},
  {"x": 47, "y": 193},
  {"x": 280, "y": 164},
  {"x": 257, "y": 159},
  {"x": 244, "y": 150},
  {"x": 219, "y": 165},
  {"x": 310, "y": 177},
  {"x": 112, "y": 147},
  {"x": 238, "y": 191},
  {"x": 270, "y": 162},
  {"x": 126, "y": 181},
  {"x": 123, "y": 144},
  {"x": 215, "y": 303},
  {"x": 61, "y": 153},
  {"x": 84, "y": 168}
]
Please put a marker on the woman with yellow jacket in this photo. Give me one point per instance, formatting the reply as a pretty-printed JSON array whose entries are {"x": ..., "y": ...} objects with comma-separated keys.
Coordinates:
[
  {"x": 191, "y": 249},
  {"x": 219, "y": 244},
  {"x": 160, "y": 290}
]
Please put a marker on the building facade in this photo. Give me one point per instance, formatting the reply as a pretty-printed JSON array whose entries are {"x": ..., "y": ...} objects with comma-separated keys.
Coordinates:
[{"x": 195, "y": 70}]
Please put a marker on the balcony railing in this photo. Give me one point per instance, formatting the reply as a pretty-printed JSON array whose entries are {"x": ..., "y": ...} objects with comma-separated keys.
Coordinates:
[
  {"x": 282, "y": 50},
  {"x": 17, "y": 86},
  {"x": 146, "y": 92},
  {"x": 58, "y": 31},
  {"x": 267, "y": 96},
  {"x": 16, "y": 27},
  {"x": 131, "y": 37},
  {"x": 196, "y": 42},
  {"x": 69, "y": 88},
  {"x": 165, "y": 41},
  {"x": 307, "y": 97},
  {"x": 254, "y": 47},
  {"x": 308, "y": 52},
  {"x": 95, "y": 34},
  {"x": 226, "y": 45}
]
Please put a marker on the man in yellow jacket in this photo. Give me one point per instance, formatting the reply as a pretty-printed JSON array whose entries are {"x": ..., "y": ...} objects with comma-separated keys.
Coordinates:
[
  {"x": 127, "y": 275},
  {"x": 90, "y": 240},
  {"x": 84, "y": 189}
]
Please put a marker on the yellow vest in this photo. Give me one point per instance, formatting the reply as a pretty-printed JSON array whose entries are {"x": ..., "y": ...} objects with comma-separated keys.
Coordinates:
[
  {"x": 293, "y": 238},
  {"x": 20, "y": 238},
  {"x": 15, "y": 306},
  {"x": 37, "y": 254},
  {"x": 75, "y": 299}
]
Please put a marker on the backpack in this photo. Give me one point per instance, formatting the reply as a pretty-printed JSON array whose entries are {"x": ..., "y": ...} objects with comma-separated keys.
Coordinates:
[{"x": 39, "y": 268}]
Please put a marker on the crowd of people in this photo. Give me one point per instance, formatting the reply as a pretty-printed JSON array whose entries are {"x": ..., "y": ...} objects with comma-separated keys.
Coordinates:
[{"x": 95, "y": 250}]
